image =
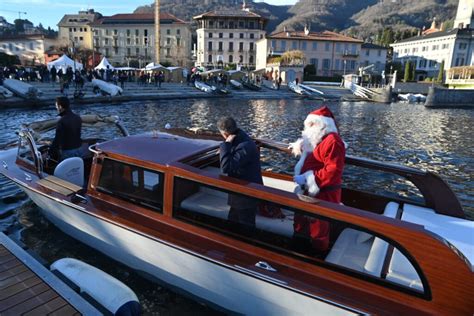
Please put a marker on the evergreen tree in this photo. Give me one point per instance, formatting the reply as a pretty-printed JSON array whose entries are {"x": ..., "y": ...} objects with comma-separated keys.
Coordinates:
[
  {"x": 413, "y": 71},
  {"x": 441, "y": 72},
  {"x": 406, "y": 76}
]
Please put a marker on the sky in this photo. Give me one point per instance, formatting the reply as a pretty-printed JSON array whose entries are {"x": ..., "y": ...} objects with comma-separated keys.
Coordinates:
[{"x": 49, "y": 12}]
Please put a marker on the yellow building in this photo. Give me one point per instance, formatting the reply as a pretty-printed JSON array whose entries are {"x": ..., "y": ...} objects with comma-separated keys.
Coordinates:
[{"x": 76, "y": 28}]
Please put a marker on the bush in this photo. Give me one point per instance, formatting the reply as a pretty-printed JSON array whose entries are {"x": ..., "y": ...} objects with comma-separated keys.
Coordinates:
[
  {"x": 428, "y": 79},
  {"x": 8, "y": 60}
]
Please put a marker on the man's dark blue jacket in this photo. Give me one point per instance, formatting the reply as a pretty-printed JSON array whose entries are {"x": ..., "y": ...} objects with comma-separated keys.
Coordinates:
[{"x": 241, "y": 158}]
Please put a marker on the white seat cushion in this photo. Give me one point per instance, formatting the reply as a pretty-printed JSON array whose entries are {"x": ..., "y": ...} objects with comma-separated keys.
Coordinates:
[{"x": 401, "y": 271}]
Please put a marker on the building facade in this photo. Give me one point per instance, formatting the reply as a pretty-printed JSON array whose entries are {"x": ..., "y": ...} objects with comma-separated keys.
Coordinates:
[
  {"x": 75, "y": 29},
  {"x": 428, "y": 50},
  {"x": 375, "y": 55},
  {"x": 331, "y": 53},
  {"x": 228, "y": 38},
  {"x": 30, "y": 49},
  {"x": 124, "y": 38}
]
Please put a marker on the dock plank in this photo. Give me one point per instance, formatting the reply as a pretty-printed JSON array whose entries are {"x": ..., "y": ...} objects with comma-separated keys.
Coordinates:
[
  {"x": 11, "y": 272},
  {"x": 23, "y": 296},
  {"x": 30, "y": 304},
  {"x": 20, "y": 277},
  {"x": 10, "y": 264},
  {"x": 19, "y": 287},
  {"x": 65, "y": 310},
  {"x": 49, "y": 307}
]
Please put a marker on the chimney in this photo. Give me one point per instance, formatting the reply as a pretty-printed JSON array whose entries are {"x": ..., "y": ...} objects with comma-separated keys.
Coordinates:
[
  {"x": 419, "y": 32},
  {"x": 433, "y": 24},
  {"x": 306, "y": 30}
]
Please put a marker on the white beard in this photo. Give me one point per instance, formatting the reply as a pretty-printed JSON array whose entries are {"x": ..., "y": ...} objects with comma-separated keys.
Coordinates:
[{"x": 312, "y": 136}]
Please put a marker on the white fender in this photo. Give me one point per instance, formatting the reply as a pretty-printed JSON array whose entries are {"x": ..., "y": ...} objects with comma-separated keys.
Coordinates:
[{"x": 105, "y": 289}]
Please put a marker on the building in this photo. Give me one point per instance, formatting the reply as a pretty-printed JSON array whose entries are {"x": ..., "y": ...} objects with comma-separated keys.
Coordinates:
[
  {"x": 30, "y": 49},
  {"x": 429, "y": 49},
  {"x": 227, "y": 38},
  {"x": 126, "y": 38},
  {"x": 375, "y": 55},
  {"x": 75, "y": 29},
  {"x": 331, "y": 53}
]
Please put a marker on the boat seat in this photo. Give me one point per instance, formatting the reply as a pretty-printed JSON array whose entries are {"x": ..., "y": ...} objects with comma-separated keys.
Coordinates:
[
  {"x": 359, "y": 250},
  {"x": 401, "y": 271},
  {"x": 214, "y": 203},
  {"x": 71, "y": 170}
]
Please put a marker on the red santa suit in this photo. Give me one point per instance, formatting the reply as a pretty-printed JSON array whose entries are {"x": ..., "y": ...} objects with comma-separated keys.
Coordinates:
[{"x": 319, "y": 171}]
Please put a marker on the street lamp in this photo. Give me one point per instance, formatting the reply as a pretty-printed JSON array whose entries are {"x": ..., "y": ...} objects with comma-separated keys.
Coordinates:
[{"x": 345, "y": 61}]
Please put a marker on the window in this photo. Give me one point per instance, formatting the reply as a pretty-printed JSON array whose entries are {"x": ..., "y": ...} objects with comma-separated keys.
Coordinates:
[
  {"x": 241, "y": 46},
  {"x": 80, "y": 29},
  {"x": 209, "y": 45},
  {"x": 274, "y": 44},
  {"x": 251, "y": 59},
  {"x": 129, "y": 51},
  {"x": 70, "y": 29},
  {"x": 338, "y": 47},
  {"x": 462, "y": 45},
  {"x": 137, "y": 41},
  {"x": 145, "y": 32},
  {"x": 128, "y": 41},
  {"x": 231, "y": 58},
  {"x": 220, "y": 46},
  {"x": 107, "y": 52},
  {"x": 326, "y": 64},
  {"x": 353, "y": 250},
  {"x": 210, "y": 35},
  {"x": 231, "y": 35},
  {"x": 128, "y": 32},
  {"x": 315, "y": 45},
  {"x": 137, "y": 51},
  {"x": 435, "y": 47},
  {"x": 379, "y": 53},
  {"x": 178, "y": 42},
  {"x": 231, "y": 47},
  {"x": 367, "y": 52},
  {"x": 252, "y": 35},
  {"x": 115, "y": 50},
  {"x": 137, "y": 32},
  {"x": 221, "y": 35},
  {"x": 303, "y": 45},
  {"x": 251, "y": 25},
  {"x": 251, "y": 47},
  {"x": 81, "y": 38},
  {"x": 445, "y": 46},
  {"x": 328, "y": 47},
  {"x": 106, "y": 41},
  {"x": 209, "y": 58},
  {"x": 132, "y": 184},
  {"x": 168, "y": 41},
  {"x": 168, "y": 32},
  {"x": 241, "y": 35},
  {"x": 115, "y": 32},
  {"x": 294, "y": 45},
  {"x": 168, "y": 52},
  {"x": 283, "y": 45},
  {"x": 107, "y": 32},
  {"x": 337, "y": 65},
  {"x": 75, "y": 29},
  {"x": 314, "y": 61},
  {"x": 32, "y": 46},
  {"x": 353, "y": 48},
  {"x": 433, "y": 63},
  {"x": 178, "y": 32}
]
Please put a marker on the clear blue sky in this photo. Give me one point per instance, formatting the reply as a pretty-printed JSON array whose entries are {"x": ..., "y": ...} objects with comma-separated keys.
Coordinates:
[{"x": 49, "y": 12}]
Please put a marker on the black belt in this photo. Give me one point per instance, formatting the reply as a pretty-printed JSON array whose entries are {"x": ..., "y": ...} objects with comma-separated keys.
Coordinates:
[{"x": 330, "y": 188}]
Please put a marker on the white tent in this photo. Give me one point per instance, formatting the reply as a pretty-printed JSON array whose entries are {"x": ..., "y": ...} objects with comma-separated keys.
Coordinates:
[
  {"x": 63, "y": 63},
  {"x": 154, "y": 66},
  {"x": 103, "y": 64}
]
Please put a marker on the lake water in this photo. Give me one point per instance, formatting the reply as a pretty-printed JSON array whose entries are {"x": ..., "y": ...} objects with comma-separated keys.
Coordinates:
[{"x": 437, "y": 140}]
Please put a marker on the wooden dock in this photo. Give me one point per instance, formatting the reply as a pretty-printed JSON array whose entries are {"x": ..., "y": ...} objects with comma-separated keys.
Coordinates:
[{"x": 28, "y": 288}]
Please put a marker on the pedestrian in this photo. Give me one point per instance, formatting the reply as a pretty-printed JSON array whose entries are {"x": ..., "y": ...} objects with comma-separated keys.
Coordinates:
[{"x": 279, "y": 83}]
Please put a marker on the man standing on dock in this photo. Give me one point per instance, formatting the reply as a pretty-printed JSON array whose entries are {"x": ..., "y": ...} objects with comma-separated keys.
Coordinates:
[{"x": 240, "y": 158}]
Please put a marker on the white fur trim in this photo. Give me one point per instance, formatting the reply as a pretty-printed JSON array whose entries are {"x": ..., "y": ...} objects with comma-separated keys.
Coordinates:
[
  {"x": 300, "y": 163},
  {"x": 346, "y": 145},
  {"x": 313, "y": 188},
  {"x": 327, "y": 123},
  {"x": 296, "y": 147}
]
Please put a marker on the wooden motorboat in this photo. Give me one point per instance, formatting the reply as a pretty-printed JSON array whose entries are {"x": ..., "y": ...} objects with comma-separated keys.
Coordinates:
[{"x": 158, "y": 203}]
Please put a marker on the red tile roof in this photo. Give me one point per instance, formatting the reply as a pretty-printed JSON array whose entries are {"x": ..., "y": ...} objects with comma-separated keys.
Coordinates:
[{"x": 314, "y": 36}]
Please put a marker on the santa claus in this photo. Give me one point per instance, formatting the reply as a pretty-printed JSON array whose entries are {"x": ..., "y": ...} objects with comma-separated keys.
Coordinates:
[{"x": 318, "y": 172}]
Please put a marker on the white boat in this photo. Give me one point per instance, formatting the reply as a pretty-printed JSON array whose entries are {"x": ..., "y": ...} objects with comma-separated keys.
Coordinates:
[
  {"x": 107, "y": 88},
  {"x": 5, "y": 93},
  {"x": 412, "y": 98},
  {"x": 235, "y": 84},
  {"x": 311, "y": 89},
  {"x": 22, "y": 89},
  {"x": 297, "y": 89},
  {"x": 203, "y": 87}
]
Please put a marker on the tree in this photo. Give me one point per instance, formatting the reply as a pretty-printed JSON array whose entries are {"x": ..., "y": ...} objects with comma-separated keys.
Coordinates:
[
  {"x": 310, "y": 70},
  {"x": 8, "y": 60},
  {"x": 441, "y": 72},
  {"x": 413, "y": 71},
  {"x": 406, "y": 76}
]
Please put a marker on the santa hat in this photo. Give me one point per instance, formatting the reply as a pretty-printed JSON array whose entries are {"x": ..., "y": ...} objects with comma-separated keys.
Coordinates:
[{"x": 322, "y": 116}]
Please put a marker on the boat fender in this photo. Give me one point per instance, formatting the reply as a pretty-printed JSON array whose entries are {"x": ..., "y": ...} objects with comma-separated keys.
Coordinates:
[{"x": 110, "y": 293}]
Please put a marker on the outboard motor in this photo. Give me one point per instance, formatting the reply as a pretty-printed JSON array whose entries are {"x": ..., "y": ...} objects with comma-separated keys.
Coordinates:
[{"x": 99, "y": 288}]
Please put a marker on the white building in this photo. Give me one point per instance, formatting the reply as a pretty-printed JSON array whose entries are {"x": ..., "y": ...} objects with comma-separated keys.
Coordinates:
[
  {"x": 130, "y": 37},
  {"x": 30, "y": 49},
  {"x": 331, "y": 53},
  {"x": 375, "y": 55},
  {"x": 228, "y": 38},
  {"x": 428, "y": 50}
]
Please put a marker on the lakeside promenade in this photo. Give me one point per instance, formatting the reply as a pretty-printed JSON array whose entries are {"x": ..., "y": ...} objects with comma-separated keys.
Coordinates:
[{"x": 134, "y": 92}]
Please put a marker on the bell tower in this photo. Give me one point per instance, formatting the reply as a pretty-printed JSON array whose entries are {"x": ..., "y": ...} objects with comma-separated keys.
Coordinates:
[{"x": 464, "y": 16}]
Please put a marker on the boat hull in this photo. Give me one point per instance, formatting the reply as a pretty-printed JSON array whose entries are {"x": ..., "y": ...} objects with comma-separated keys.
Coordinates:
[{"x": 232, "y": 288}]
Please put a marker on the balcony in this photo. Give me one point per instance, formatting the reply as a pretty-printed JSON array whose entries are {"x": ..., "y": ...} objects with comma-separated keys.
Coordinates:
[{"x": 350, "y": 54}]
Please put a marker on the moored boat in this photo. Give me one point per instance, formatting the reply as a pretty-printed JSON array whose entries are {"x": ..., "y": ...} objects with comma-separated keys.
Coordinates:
[
  {"x": 106, "y": 87},
  {"x": 250, "y": 85},
  {"x": 235, "y": 84},
  {"x": 22, "y": 89},
  {"x": 203, "y": 87},
  {"x": 164, "y": 213},
  {"x": 297, "y": 89},
  {"x": 5, "y": 93}
]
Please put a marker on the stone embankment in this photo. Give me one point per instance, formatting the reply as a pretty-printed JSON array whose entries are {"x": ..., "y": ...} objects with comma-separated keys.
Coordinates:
[{"x": 135, "y": 92}]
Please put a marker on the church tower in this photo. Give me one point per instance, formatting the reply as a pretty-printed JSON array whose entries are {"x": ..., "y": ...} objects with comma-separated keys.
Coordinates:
[{"x": 464, "y": 15}]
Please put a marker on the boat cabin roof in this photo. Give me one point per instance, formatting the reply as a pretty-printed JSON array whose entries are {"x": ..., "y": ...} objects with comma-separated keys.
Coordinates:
[{"x": 160, "y": 148}]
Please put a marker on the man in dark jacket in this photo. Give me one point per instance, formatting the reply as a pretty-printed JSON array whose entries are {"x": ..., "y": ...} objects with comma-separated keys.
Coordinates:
[
  {"x": 239, "y": 158},
  {"x": 67, "y": 141}
]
